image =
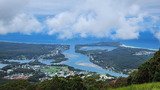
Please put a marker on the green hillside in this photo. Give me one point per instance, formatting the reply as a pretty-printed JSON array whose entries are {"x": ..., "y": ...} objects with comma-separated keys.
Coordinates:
[
  {"x": 147, "y": 77},
  {"x": 149, "y": 86},
  {"x": 122, "y": 59},
  {"x": 147, "y": 72}
]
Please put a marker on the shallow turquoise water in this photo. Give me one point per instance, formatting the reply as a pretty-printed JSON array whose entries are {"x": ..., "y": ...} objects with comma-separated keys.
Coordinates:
[{"x": 108, "y": 48}]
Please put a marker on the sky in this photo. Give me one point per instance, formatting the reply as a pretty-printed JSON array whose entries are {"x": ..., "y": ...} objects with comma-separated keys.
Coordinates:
[{"x": 70, "y": 19}]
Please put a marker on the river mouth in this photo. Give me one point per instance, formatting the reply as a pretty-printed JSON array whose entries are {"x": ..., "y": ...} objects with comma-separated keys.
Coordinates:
[{"x": 82, "y": 62}]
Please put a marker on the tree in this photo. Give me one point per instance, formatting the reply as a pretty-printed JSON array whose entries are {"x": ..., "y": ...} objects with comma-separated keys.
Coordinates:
[
  {"x": 15, "y": 85},
  {"x": 147, "y": 72}
]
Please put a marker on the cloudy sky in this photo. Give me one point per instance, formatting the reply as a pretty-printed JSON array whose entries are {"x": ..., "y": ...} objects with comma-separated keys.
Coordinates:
[{"x": 67, "y": 19}]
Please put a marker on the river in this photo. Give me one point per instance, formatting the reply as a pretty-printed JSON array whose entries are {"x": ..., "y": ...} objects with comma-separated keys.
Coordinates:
[{"x": 80, "y": 61}]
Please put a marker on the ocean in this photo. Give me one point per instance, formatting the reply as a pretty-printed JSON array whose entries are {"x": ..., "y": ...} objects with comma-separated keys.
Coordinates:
[{"x": 145, "y": 40}]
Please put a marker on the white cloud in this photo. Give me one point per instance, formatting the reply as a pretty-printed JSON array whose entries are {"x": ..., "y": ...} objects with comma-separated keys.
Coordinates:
[
  {"x": 13, "y": 20},
  {"x": 116, "y": 19},
  {"x": 10, "y": 8},
  {"x": 21, "y": 23},
  {"x": 49, "y": 7},
  {"x": 97, "y": 18}
]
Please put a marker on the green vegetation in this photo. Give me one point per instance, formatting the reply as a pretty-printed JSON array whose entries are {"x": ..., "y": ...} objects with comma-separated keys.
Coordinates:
[
  {"x": 149, "y": 86},
  {"x": 18, "y": 51},
  {"x": 54, "y": 69},
  {"x": 73, "y": 83},
  {"x": 122, "y": 59},
  {"x": 147, "y": 72},
  {"x": 58, "y": 83},
  {"x": 15, "y": 85}
]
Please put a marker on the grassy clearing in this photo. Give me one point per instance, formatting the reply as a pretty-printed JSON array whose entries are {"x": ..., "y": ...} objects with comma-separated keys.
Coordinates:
[
  {"x": 149, "y": 86},
  {"x": 53, "y": 69}
]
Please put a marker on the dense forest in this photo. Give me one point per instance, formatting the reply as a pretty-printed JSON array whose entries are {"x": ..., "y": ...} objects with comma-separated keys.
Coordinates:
[{"x": 147, "y": 72}]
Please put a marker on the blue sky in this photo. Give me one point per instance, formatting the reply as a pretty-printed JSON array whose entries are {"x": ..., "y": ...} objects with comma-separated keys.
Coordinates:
[{"x": 80, "y": 20}]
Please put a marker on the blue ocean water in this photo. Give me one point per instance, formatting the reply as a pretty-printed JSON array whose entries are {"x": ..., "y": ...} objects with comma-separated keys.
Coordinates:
[{"x": 146, "y": 40}]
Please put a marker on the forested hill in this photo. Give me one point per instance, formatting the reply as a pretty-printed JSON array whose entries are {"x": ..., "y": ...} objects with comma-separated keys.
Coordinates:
[
  {"x": 147, "y": 72},
  {"x": 16, "y": 51}
]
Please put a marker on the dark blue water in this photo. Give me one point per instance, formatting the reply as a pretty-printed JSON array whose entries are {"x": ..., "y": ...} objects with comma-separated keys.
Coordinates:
[{"x": 146, "y": 40}]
